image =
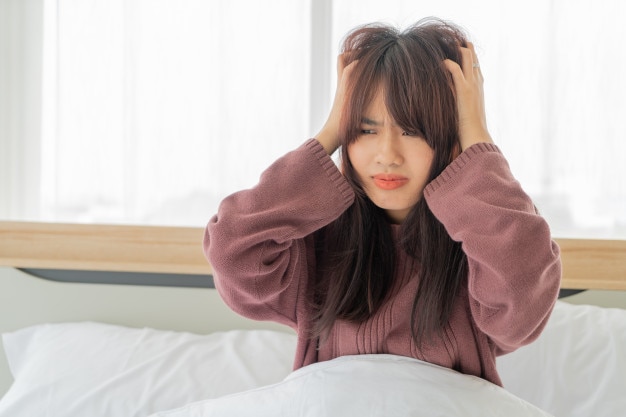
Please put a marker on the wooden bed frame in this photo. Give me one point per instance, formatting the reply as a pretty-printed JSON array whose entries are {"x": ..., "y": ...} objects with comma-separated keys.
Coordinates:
[{"x": 587, "y": 263}]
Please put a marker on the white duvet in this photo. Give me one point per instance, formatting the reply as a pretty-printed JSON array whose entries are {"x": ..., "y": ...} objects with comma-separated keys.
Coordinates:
[{"x": 368, "y": 385}]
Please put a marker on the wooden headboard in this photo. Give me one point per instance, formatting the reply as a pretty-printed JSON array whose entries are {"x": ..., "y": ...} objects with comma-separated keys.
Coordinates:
[{"x": 587, "y": 263}]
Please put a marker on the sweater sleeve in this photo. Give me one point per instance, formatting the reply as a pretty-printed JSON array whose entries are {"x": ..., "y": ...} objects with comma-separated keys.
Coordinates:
[
  {"x": 514, "y": 265},
  {"x": 257, "y": 241}
]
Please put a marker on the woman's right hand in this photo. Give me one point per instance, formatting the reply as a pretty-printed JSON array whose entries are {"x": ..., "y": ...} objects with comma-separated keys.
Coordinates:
[{"x": 329, "y": 136}]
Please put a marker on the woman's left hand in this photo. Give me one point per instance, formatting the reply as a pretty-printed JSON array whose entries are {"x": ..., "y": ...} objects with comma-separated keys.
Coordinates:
[{"x": 468, "y": 87}]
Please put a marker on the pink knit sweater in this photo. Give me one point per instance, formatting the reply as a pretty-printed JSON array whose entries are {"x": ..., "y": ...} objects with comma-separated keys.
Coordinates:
[{"x": 261, "y": 247}]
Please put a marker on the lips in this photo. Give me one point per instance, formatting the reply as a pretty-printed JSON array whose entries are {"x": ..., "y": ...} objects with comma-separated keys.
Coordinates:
[{"x": 389, "y": 181}]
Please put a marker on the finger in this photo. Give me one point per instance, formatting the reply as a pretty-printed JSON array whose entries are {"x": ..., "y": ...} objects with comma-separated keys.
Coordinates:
[
  {"x": 467, "y": 62},
  {"x": 472, "y": 49},
  {"x": 455, "y": 70},
  {"x": 341, "y": 64},
  {"x": 475, "y": 62},
  {"x": 347, "y": 70},
  {"x": 345, "y": 64}
]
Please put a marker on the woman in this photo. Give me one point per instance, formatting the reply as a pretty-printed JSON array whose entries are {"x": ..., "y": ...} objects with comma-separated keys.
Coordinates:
[{"x": 421, "y": 244}]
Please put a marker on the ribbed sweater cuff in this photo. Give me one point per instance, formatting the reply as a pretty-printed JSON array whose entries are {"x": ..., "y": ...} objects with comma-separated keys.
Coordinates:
[
  {"x": 458, "y": 164},
  {"x": 333, "y": 173}
]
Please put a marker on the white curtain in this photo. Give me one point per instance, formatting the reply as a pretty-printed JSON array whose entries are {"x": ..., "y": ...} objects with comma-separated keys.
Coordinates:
[
  {"x": 162, "y": 107},
  {"x": 154, "y": 110}
]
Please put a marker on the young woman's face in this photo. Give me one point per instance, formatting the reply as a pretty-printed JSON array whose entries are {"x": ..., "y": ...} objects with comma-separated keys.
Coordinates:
[{"x": 393, "y": 165}]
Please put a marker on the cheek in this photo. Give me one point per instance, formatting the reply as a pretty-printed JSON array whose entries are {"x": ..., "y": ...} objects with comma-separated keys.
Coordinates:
[
  {"x": 359, "y": 171},
  {"x": 427, "y": 156},
  {"x": 357, "y": 157}
]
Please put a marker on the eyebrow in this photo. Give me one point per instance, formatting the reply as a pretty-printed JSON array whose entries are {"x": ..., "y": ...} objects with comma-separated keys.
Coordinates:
[{"x": 370, "y": 122}]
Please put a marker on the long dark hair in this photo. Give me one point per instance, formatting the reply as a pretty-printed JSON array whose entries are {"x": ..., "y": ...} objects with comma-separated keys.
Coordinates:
[{"x": 356, "y": 252}]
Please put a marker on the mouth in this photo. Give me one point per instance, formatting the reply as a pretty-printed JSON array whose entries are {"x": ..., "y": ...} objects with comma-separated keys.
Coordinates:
[{"x": 389, "y": 181}]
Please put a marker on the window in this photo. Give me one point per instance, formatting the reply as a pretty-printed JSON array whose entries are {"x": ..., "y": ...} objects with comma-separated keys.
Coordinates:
[{"x": 152, "y": 111}]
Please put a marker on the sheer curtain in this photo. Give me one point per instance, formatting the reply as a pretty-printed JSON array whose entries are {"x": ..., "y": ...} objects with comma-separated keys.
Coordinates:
[
  {"x": 160, "y": 108},
  {"x": 154, "y": 110}
]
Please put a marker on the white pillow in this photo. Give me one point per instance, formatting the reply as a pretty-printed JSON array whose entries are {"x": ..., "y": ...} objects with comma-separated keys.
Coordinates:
[
  {"x": 368, "y": 385},
  {"x": 91, "y": 370},
  {"x": 577, "y": 367}
]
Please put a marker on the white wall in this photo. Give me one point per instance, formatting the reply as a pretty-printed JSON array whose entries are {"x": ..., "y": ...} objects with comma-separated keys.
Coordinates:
[{"x": 615, "y": 299}]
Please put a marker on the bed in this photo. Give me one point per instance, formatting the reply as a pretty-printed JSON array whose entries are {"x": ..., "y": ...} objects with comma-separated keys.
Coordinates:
[{"x": 103, "y": 320}]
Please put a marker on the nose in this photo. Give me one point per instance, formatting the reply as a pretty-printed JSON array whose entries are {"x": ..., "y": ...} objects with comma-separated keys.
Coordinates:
[{"x": 388, "y": 151}]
